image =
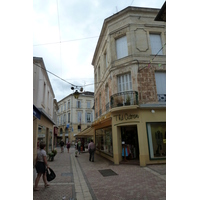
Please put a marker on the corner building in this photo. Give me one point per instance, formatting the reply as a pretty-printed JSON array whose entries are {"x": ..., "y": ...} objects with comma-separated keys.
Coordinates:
[{"x": 130, "y": 91}]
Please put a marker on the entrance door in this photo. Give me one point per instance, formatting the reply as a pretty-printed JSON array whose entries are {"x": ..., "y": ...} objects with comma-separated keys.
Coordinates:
[{"x": 129, "y": 135}]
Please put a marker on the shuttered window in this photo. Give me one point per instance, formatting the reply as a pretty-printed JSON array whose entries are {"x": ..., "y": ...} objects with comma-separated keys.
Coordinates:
[
  {"x": 88, "y": 117},
  {"x": 78, "y": 104},
  {"x": 156, "y": 44},
  {"x": 160, "y": 82},
  {"x": 124, "y": 82},
  {"x": 121, "y": 47},
  {"x": 161, "y": 86},
  {"x": 79, "y": 117}
]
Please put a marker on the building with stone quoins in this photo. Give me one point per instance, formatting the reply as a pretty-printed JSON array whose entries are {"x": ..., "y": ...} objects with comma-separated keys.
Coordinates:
[
  {"x": 130, "y": 91},
  {"x": 74, "y": 115}
]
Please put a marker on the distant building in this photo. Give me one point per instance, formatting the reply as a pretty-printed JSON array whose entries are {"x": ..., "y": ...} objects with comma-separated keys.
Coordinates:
[
  {"x": 130, "y": 91},
  {"x": 74, "y": 115},
  {"x": 44, "y": 105}
]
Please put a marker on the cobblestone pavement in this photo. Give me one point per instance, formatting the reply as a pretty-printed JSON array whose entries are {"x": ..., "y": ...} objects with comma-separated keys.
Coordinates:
[
  {"x": 62, "y": 187},
  {"x": 78, "y": 178}
]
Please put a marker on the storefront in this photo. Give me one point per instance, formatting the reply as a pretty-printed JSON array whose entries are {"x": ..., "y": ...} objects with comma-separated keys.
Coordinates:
[
  {"x": 85, "y": 136},
  {"x": 134, "y": 135},
  {"x": 103, "y": 140},
  {"x": 42, "y": 131}
]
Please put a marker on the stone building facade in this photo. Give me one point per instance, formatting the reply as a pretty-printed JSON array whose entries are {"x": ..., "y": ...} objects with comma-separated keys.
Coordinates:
[
  {"x": 74, "y": 115},
  {"x": 130, "y": 87}
]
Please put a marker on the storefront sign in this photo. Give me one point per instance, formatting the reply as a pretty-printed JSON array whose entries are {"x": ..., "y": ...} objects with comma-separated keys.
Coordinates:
[
  {"x": 126, "y": 116},
  {"x": 36, "y": 112}
]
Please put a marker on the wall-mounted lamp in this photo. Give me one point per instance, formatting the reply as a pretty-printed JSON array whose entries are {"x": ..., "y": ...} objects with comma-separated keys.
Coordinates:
[{"x": 153, "y": 111}]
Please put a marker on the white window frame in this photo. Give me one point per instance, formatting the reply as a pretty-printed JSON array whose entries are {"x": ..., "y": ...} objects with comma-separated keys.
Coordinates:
[{"x": 124, "y": 82}]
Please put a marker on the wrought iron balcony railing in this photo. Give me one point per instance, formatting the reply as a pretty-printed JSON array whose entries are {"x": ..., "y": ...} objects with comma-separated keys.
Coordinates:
[
  {"x": 107, "y": 106},
  {"x": 124, "y": 99}
]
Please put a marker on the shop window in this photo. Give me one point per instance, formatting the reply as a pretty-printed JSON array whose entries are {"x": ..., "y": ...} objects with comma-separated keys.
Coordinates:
[
  {"x": 104, "y": 140},
  {"x": 41, "y": 133},
  {"x": 156, "y": 133}
]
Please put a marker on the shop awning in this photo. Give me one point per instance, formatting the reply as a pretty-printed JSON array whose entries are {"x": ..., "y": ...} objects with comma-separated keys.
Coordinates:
[
  {"x": 86, "y": 133},
  {"x": 36, "y": 112}
]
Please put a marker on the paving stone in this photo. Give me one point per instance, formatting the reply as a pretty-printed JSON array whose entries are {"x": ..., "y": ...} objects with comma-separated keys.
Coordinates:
[{"x": 79, "y": 179}]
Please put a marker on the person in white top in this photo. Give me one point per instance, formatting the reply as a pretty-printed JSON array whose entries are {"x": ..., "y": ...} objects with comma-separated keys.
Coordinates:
[{"x": 41, "y": 165}]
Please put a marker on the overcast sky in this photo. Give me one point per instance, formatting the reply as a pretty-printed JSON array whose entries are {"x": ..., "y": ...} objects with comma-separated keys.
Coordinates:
[{"x": 65, "y": 34}]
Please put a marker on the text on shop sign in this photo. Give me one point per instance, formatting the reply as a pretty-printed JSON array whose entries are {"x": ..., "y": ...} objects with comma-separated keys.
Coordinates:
[{"x": 126, "y": 116}]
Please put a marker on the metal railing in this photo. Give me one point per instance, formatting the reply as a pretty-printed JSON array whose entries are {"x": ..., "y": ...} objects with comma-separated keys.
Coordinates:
[
  {"x": 124, "y": 99},
  {"x": 107, "y": 106}
]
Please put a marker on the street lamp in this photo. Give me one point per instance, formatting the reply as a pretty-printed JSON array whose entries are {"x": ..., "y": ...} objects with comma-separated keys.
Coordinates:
[{"x": 76, "y": 94}]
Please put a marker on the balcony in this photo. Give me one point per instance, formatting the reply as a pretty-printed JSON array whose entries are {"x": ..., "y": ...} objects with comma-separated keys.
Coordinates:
[{"x": 124, "y": 99}]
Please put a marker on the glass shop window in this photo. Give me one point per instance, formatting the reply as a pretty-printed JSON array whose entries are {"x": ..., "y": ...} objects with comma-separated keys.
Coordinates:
[
  {"x": 104, "y": 140},
  {"x": 157, "y": 140}
]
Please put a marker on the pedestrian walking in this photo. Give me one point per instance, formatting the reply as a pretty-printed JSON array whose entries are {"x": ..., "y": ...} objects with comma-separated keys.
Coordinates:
[
  {"x": 91, "y": 149},
  {"x": 79, "y": 145},
  {"x": 41, "y": 165},
  {"x": 68, "y": 146},
  {"x": 62, "y": 146}
]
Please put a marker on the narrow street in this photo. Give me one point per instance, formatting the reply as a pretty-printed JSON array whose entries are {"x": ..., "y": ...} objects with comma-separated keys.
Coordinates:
[{"x": 80, "y": 179}]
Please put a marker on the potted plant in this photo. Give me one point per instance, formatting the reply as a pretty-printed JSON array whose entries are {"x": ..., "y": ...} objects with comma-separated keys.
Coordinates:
[
  {"x": 119, "y": 101},
  {"x": 128, "y": 100},
  {"x": 52, "y": 154}
]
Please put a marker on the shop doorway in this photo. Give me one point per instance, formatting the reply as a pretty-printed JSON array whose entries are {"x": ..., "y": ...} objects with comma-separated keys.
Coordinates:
[{"x": 129, "y": 135}]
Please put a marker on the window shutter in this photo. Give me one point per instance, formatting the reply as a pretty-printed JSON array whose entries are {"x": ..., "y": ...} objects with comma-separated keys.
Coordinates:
[
  {"x": 160, "y": 82},
  {"x": 85, "y": 117},
  {"x": 91, "y": 117},
  {"x": 156, "y": 44},
  {"x": 121, "y": 47}
]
